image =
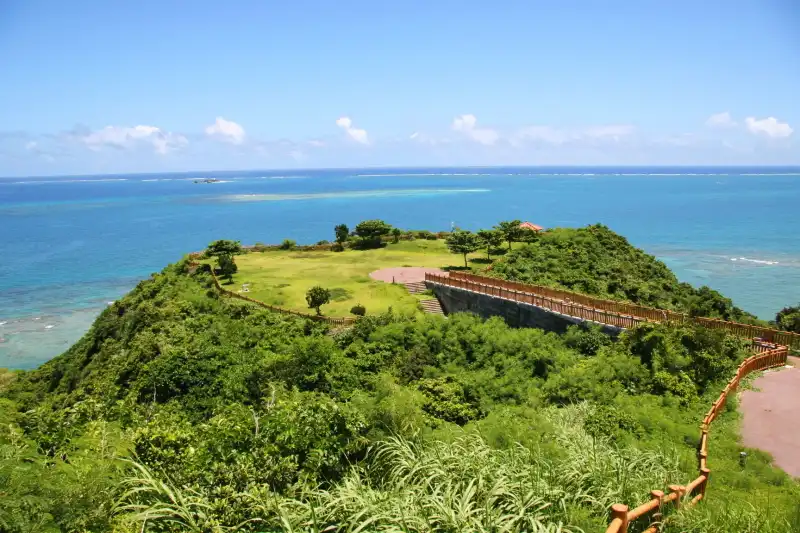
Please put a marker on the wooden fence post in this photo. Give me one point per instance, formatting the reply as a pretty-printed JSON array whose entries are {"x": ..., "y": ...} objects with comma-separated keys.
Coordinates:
[
  {"x": 619, "y": 510},
  {"x": 679, "y": 490},
  {"x": 706, "y": 473},
  {"x": 658, "y": 515}
]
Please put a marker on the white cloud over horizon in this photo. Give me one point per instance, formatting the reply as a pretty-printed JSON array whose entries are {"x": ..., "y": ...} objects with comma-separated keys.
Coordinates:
[
  {"x": 770, "y": 126},
  {"x": 720, "y": 139},
  {"x": 123, "y": 137},
  {"x": 357, "y": 134},
  {"x": 467, "y": 124},
  {"x": 226, "y": 130}
]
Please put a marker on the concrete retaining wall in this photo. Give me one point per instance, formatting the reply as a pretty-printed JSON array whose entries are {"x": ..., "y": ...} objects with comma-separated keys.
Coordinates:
[{"x": 457, "y": 300}]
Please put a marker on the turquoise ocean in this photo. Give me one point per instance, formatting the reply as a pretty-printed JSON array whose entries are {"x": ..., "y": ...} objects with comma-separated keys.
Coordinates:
[{"x": 70, "y": 245}]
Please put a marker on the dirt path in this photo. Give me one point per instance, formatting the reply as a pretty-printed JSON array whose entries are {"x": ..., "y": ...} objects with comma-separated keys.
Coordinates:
[
  {"x": 403, "y": 274},
  {"x": 771, "y": 416}
]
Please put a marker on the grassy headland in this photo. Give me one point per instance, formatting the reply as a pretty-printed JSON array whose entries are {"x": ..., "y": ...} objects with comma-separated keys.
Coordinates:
[
  {"x": 181, "y": 410},
  {"x": 282, "y": 277}
]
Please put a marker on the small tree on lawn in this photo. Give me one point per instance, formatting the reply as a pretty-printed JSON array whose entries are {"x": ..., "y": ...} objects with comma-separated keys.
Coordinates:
[
  {"x": 316, "y": 297},
  {"x": 463, "y": 242},
  {"x": 490, "y": 238},
  {"x": 371, "y": 231},
  {"x": 227, "y": 267},
  {"x": 224, "y": 247},
  {"x": 396, "y": 232},
  {"x": 342, "y": 232},
  {"x": 510, "y": 230}
]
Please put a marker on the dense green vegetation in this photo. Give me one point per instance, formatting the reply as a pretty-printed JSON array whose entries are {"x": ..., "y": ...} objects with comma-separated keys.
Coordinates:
[
  {"x": 596, "y": 261},
  {"x": 788, "y": 318},
  {"x": 184, "y": 411}
]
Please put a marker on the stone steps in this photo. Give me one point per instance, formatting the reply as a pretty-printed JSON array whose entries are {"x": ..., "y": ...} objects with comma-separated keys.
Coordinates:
[
  {"x": 432, "y": 306},
  {"x": 416, "y": 287}
]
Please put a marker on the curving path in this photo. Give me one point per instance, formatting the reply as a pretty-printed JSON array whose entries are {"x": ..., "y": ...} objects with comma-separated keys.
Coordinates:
[{"x": 771, "y": 416}]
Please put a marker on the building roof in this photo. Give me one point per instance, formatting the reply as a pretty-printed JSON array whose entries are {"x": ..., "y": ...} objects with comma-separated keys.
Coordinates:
[{"x": 528, "y": 225}]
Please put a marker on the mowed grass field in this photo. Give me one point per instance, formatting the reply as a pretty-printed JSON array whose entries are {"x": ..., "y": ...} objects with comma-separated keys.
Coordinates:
[{"x": 282, "y": 277}]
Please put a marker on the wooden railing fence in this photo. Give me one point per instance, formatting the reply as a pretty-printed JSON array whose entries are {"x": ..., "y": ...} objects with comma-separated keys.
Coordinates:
[
  {"x": 554, "y": 304},
  {"x": 767, "y": 356},
  {"x": 619, "y": 313},
  {"x": 339, "y": 321}
]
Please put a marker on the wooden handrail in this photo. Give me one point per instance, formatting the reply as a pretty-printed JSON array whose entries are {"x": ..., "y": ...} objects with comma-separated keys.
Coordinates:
[
  {"x": 341, "y": 321},
  {"x": 638, "y": 312},
  {"x": 697, "y": 488},
  {"x": 556, "y": 305}
]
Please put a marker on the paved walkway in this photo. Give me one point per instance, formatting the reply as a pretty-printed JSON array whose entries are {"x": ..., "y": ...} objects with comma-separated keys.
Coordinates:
[
  {"x": 403, "y": 274},
  {"x": 771, "y": 416}
]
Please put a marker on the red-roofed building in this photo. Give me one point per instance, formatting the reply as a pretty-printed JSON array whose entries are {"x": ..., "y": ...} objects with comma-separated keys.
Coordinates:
[{"x": 533, "y": 227}]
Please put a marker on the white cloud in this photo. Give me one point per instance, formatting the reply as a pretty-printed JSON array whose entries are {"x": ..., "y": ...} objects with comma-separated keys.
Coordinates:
[
  {"x": 467, "y": 124},
  {"x": 768, "y": 126},
  {"x": 226, "y": 130},
  {"x": 356, "y": 134},
  {"x": 721, "y": 120},
  {"x": 31, "y": 145},
  {"x": 130, "y": 137}
]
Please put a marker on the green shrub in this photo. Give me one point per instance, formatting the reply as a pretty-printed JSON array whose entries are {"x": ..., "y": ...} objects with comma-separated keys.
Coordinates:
[
  {"x": 788, "y": 319},
  {"x": 606, "y": 421},
  {"x": 358, "y": 310},
  {"x": 288, "y": 244},
  {"x": 447, "y": 400},
  {"x": 337, "y": 247},
  {"x": 587, "y": 339}
]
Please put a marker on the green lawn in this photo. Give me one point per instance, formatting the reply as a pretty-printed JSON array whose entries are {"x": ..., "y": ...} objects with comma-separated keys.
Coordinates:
[{"x": 282, "y": 277}]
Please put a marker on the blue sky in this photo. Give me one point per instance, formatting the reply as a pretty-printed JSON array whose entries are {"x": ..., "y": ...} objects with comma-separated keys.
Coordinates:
[{"x": 99, "y": 86}]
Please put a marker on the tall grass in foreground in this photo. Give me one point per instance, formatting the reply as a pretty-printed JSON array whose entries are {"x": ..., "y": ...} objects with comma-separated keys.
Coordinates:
[{"x": 434, "y": 486}]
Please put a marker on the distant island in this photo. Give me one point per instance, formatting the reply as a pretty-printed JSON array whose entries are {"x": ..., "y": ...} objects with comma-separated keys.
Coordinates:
[{"x": 207, "y": 180}]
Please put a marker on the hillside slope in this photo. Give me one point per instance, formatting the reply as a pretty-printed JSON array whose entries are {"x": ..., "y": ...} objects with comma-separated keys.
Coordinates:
[
  {"x": 239, "y": 418},
  {"x": 596, "y": 261}
]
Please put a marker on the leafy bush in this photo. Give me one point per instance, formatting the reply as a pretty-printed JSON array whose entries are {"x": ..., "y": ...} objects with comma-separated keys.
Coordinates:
[
  {"x": 358, "y": 310},
  {"x": 607, "y": 421},
  {"x": 288, "y": 244},
  {"x": 788, "y": 319},
  {"x": 370, "y": 233},
  {"x": 447, "y": 400},
  {"x": 587, "y": 339},
  {"x": 337, "y": 247}
]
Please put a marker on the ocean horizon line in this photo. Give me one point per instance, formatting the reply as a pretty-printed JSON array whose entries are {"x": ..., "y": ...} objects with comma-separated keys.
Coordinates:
[{"x": 779, "y": 169}]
